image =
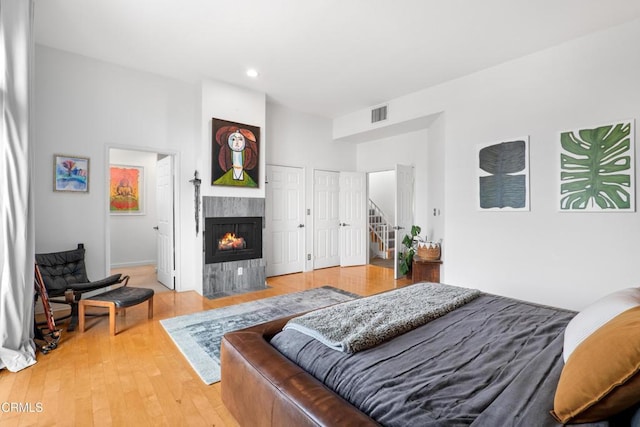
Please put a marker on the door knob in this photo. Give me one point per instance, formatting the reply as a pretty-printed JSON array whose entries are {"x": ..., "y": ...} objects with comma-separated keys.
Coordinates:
[
  {"x": 156, "y": 228},
  {"x": 300, "y": 225}
]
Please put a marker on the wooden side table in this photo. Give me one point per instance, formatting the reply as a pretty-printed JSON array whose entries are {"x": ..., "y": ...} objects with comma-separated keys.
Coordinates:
[{"x": 424, "y": 270}]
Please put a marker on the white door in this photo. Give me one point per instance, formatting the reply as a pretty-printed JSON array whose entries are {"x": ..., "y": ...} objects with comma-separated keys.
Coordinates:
[
  {"x": 403, "y": 208},
  {"x": 164, "y": 206},
  {"x": 326, "y": 196},
  {"x": 353, "y": 218},
  {"x": 285, "y": 220}
]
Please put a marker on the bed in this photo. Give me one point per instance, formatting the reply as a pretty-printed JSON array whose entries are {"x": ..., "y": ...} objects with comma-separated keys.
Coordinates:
[{"x": 492, "y": 361}]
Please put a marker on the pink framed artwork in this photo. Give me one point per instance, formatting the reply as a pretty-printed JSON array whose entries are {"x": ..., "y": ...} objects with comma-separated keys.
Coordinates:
[{"x": 126, "y": 190}]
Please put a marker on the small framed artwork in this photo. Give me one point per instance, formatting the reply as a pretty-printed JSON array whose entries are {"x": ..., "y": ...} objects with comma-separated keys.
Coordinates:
[
  {"x": 126, "y": 190},
  {"x": 597, "y": 168},
  {"x": 235, "y": 154},
  {"x": 503, "y": 175},
  {"x": 71, "y": 173}
]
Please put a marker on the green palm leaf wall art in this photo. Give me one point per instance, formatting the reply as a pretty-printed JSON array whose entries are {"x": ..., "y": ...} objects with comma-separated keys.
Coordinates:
[
  {"x": 503, "y": 175},
  {"x": 597, "y": 168}
]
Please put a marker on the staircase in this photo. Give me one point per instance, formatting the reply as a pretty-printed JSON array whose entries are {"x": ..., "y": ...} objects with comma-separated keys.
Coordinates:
[{"x": 382, "y": 237}]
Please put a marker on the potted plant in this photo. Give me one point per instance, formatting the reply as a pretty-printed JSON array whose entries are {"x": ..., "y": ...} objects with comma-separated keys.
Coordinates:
[{"x": 405, "y": 257}]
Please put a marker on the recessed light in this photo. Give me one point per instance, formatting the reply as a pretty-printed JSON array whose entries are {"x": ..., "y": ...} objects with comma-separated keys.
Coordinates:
[{"x": 252, "y": 73}]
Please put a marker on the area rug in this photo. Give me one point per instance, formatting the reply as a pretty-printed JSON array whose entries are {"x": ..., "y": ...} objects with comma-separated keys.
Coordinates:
[{"x": 198, "y": 335}]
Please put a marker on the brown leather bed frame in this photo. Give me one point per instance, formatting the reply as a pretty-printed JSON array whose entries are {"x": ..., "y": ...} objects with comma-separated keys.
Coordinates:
[{"x": 261, "y": 387}]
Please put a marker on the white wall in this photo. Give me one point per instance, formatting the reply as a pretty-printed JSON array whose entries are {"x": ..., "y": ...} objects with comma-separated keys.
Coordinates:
[
  {"x": 435, "y": 220},
  {"x": 565, "y": 259},
  {"x": 132, "y": 237},
  {"x": 303, "y": 140},
  {"x": 382, "y": 190},
  {"x": 83, "y": 106}
]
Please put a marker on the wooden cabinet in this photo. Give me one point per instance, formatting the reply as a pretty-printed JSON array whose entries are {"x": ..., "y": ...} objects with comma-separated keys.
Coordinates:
[{"x": 423, "y": 270}]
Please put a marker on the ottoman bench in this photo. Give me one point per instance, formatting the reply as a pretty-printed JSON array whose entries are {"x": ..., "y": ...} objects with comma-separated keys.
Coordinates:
[{"x": 125, "y": 296}]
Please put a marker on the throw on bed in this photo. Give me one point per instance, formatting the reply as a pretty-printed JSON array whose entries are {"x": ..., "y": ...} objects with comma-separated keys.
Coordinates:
[{"x": 366, "y": 322}]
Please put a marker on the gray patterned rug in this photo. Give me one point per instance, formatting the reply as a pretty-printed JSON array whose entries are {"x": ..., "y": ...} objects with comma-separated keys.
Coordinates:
[{"x": 198, "y": 335}]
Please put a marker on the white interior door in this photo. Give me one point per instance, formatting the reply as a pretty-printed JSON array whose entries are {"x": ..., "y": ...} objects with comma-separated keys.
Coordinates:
[
  {"x": 353, "y": 218},
  {"x": 326, "y": 196},
  {"x": 284, "y": 230},
  {"x": 164, "y": 205},
  {"x": 403, "y": 208}
]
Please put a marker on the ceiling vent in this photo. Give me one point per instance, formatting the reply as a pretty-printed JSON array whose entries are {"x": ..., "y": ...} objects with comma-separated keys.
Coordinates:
[{"x": 379, "y": 114}]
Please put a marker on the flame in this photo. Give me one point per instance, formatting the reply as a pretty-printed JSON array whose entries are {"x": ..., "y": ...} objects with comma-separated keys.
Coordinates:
[
  {"x": 228, "y": 238},
  {"x": 230, "y": 241}
]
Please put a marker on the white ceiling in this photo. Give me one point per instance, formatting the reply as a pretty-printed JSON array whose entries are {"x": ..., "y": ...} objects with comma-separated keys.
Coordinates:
[{"x": 326, "y": 57}]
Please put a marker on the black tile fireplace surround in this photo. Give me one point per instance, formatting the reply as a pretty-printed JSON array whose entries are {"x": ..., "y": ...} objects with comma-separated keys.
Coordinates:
[{"x": 232, "y": 239}]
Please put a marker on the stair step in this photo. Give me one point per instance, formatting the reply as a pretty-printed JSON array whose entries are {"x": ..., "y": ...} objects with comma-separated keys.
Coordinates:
[{"x": 379, "y": 230}]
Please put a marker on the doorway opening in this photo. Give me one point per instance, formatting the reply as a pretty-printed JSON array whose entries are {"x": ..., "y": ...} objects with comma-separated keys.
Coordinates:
[
  {"x": 381, "y": 218},
  {"x": 390, "y": 214},
  {"x": 141, "y": 228}
]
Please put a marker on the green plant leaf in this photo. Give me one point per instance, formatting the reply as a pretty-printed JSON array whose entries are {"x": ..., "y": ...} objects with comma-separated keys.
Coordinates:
[
  {"x": 405, "y": 258},
  {"x": 596, "y": 168}
]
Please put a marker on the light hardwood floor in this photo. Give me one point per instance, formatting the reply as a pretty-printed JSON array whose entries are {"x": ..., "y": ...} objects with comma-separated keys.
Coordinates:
[
  {"x": 139, "y": 377},
  {"x": 142, "y": 276}
]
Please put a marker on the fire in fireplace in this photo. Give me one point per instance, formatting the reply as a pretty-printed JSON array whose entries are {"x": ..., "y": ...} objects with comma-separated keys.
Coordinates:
[
  {"x": 230, "y": 242},
  {"x": 232, "y": 239}
]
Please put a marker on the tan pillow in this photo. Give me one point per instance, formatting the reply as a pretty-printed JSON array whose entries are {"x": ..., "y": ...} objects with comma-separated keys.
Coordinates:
[{"x": 602, "y": 375}]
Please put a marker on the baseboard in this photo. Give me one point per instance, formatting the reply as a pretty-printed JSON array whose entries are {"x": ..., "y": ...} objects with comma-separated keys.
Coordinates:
[{"x": 133, "y": 264}]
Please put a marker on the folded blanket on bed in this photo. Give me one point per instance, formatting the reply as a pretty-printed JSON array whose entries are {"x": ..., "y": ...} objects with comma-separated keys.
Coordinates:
[{"x": 366, "y": 322}]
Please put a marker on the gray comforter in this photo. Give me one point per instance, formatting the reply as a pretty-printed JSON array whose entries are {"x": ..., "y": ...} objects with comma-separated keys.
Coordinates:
[{"x": 492, "y": 362}]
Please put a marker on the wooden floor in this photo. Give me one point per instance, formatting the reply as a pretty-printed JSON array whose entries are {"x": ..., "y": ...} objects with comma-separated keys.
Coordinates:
[
  {"x": 142, "y": 276},
  {"x": 139, "y": 377}
]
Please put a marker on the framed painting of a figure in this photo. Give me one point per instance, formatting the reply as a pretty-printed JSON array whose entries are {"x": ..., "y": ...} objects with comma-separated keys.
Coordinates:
[{"x": 235, "y": 152}]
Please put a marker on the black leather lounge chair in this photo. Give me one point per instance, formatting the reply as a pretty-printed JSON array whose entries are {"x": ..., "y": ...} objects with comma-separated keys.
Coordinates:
[{"x": 65, "y": 275}]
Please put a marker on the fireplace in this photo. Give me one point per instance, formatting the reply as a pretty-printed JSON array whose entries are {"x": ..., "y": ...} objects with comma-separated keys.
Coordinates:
[
  {"x": 232, "y": 239},
  {"x": 223, "y": 272}
]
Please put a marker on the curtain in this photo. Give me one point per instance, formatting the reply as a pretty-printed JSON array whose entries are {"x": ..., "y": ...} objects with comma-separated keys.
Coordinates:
[{"x": 17, "y": 242}]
